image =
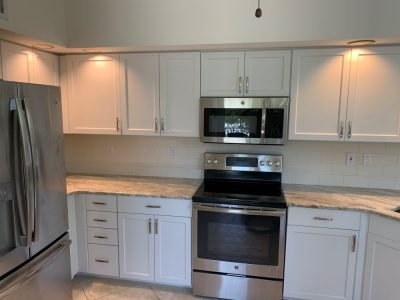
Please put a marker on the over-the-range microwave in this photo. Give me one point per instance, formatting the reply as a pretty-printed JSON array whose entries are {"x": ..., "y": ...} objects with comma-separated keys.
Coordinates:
[{"x": 244, "y": 120}]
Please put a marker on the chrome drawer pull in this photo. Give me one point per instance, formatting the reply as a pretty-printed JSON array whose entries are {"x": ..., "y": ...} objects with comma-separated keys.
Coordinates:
[
  {"x": 100, "y": 237},
  {"x": 100, "y": 220},
  {"x": 99, "y": 203},
  {"x": 153, "y": 206},
  {"x": 102, "y": 260},
  {"x": 323, "y": 219}
]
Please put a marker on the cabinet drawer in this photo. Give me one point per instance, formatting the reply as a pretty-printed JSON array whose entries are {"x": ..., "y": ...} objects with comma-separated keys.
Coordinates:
[
  {"x": 328, "y": 218},
  {"x": 385, "y": 227},
  {"x": 101, "y": 203},
  {"x": 101, "y": 219},
  {"x": 156, "y": 206},
  {"x": 102, "y": 236},
  {"x": 103, "y": 260}
]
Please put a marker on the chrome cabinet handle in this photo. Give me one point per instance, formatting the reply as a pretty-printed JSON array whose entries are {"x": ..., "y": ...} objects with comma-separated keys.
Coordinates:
[
  {"x": 341, "y": 131},
  {"x": 247, "y": 84},
  {"x": 149, "y": 226},
  {"x": 117, "y": 121},
  {"x": 153, "y": 206},
  {"x": 349, "y": 131},
  {"x": 162, "y": 125},
  {"x": 156, "y": 226},
  {"x": 353, "y": 243},
  {"x": 102, "y": 260},
  {"x": 100, "y": 220},
  {"x": 156, "y": 125},
  {"x": 100, "y": 237},
  {"x": 240, "y": 84},
  {"x": 323, "y": 219},
  {"x": 98, "y": 203}
]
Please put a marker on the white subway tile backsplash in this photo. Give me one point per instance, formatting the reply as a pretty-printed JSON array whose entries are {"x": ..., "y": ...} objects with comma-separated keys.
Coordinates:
[{"x": 305, "y": 162}]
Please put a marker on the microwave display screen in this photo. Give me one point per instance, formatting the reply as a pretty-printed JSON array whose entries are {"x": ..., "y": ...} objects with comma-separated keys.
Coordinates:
[{"x": 238, "y": 123}]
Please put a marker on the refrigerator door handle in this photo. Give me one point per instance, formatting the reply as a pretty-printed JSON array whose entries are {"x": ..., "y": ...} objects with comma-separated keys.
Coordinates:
[
  {"x": 26, "y": 273},
  {"x": 27, "y": 165},
  {"x": 35, "y": 168}
]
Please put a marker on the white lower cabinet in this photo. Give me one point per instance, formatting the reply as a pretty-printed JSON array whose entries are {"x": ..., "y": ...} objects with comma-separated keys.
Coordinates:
[
  {"x": 103, "y": 260},
  {"x": 324, "y": 254},
  {"x": 136, "y": 251},
  {"x": 320, "y": 263},
  {"x": 382, "y": 263},
  {"x": 172, "y": 250},
  {"x": 155, "y": 248}
]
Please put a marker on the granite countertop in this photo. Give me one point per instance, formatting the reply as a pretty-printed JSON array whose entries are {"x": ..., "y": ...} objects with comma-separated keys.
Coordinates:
[
  {"x": 137, "y": 186},
  {"x": 381, "y": 202},
  {"x": 377, "y": 201}
]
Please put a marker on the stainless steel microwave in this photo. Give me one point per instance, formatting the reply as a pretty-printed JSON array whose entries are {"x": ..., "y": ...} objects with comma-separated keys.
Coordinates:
[{"x": 244, "y": 120}]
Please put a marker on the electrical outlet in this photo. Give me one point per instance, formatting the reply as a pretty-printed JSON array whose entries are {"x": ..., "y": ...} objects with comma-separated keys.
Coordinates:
[
  {"x": 367, "y": 159},
  {"x": 351, "y": 159},
  {"x": 172, "y": 152},
  {"x": 110, "y": 150}
]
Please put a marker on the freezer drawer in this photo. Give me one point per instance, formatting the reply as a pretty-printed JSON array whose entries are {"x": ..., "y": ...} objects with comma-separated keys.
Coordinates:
[{"x": 47, "y": 276}]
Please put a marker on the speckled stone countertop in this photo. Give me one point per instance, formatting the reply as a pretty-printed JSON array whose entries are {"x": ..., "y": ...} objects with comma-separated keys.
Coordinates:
[
  {"x": 381, "y": 202},
  {"x": 137, "y": 186},
  {"x": 377, "y": 201}
]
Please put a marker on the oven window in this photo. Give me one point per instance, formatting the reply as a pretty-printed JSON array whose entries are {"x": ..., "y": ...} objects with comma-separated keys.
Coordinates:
[
  {"x": 274, "y": 120},
  {"x": 238, "y": 238},
  {"x": 224, "y": 122}
]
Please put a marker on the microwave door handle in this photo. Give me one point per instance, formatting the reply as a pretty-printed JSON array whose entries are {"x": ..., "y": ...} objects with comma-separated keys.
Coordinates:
[
  {"x": 26, "y": 166},
  {"x": 35, "y": 168}
]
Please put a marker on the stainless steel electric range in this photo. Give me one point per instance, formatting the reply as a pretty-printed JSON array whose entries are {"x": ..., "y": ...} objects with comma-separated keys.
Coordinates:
[{"x": 239, "y": 227}]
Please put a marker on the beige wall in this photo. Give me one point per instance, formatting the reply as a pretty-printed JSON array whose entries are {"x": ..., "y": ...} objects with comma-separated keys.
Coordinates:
[
  {"x": 304, "y": 162},
  {"x": 40, "y": 19},
  {"x": 96, "y": 23}
]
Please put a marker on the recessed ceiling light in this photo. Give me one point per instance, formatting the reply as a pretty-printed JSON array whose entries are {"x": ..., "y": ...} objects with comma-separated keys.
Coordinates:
[
  {"x": 43, "y": 46},
  {"x": 361, "y": 42}
]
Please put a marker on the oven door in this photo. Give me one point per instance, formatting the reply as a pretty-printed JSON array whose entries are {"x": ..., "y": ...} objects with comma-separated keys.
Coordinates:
[
  {"x": 239, "y": 241},
  {"x": 232, "y": 120}
]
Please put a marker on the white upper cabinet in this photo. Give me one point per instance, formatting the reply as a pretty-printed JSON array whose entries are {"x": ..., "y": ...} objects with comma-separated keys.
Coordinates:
[
  {"x": 374, "y": 95},
  {"x": 17, "y": 62},
  {"x": 23, "y": 64},
  {"x": 179, "y": 94},
  {"x": 319, "y": 94},
  {"x": 267, "y": 73},
  {"x": 252, "y": 73},
  {"x": 44, "y": 68},
  {"x": 222, "y": 74},
  {"x": 140, "y": 94},
  {"x": 93, "y": 94}
]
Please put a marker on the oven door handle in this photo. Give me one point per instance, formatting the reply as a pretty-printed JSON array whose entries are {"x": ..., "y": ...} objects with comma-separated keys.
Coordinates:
[{"x": 244, "y": 211}]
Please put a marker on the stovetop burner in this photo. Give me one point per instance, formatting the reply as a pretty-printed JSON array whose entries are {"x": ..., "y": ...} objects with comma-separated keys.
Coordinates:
[{"x": 242, "y": 179}]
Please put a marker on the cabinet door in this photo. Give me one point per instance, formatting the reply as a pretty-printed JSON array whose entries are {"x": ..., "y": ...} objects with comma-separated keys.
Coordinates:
[
  {"x": 319, "y": 94},
  {"x": 180, "y": 94},
  {"x": 173, "y": 250},
  {"x": 17, "y": 62},
  {"x": 136, "y": 246},
  {"x": 320, "y": 263},
  {"x": 44, "y": 68},
  {"x": 93, "y": 94},
  {"x": 382, "y": 269},
  {"x": 374, "y": 108},
  {"x": 222, "y": 74},
  {"x": 140, "y": 94},
  {"x": 267, "y": 73}
]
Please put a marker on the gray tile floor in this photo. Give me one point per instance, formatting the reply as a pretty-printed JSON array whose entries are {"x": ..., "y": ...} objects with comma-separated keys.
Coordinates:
[{"x": 90, "y": 288}]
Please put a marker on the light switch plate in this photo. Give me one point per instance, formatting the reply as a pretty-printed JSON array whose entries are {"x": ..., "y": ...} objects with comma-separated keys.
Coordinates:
[{"x": 367, "y": 159}]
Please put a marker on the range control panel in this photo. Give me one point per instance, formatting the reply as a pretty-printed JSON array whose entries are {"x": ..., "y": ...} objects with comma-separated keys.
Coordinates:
[{"x": 243, "y": 162}]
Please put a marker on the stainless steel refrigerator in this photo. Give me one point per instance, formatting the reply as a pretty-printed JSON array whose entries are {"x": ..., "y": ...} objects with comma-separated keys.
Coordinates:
[{"x": 34, "y": 242}]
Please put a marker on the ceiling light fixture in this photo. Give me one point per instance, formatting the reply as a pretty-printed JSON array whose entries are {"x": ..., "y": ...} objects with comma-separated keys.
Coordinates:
[
  {"x": 258, "y": 11},
  {"x": 43, "y": 46},
  {"x": 361, "y": 42}
]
